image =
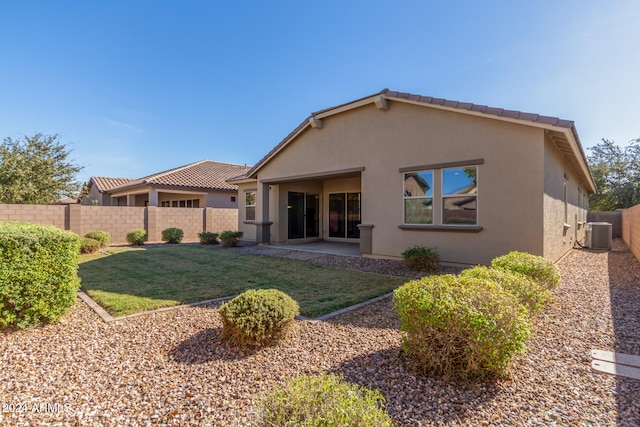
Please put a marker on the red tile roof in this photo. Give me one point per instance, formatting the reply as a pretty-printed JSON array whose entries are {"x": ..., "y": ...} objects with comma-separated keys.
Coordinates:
[
  {"x": 202, "y": 175},
  {"x": 104, "y": 183}
]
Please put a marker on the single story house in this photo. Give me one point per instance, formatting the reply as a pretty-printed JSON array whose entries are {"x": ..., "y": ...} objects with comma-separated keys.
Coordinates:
[
  {"x": 196, "y": 185},
  {"x": 393, "y": 170}
]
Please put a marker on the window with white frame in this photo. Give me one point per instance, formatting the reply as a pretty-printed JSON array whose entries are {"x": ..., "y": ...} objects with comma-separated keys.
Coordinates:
[
  {"x": 448, "y": 189},
  {"x": 460, "y": 195},
  {"x": 418, "y": 197},
  {"x": 250, "y": 205}
]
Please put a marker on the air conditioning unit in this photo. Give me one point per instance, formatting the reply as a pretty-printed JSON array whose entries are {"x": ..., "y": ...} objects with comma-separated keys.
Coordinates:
[{"x": 598, "y": 235}]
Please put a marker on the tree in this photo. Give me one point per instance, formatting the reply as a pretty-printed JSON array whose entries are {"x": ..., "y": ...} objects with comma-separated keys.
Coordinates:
[
  {"x": 616, "y": 171},
  {"x": 35, "y": 170}
]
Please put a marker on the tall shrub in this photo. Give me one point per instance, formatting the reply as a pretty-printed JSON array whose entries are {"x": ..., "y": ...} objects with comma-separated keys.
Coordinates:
[
  {"x": 38, "y": 273},
  {"x": 460, "y": 327},
  {"x": 540, "y": 269},
  {"x": 529, "y": 292}
]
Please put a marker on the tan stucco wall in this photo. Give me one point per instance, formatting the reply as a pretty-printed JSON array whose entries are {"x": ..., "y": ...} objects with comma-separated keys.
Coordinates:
[
  {"x": 222, "y": 199},
  {"x": 558, "y": 239},
  {"x": 510, "y": 182}
]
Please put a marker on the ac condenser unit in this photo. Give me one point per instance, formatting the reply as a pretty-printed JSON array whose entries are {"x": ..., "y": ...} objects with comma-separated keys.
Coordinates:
[{"x": 598, "y": 235}]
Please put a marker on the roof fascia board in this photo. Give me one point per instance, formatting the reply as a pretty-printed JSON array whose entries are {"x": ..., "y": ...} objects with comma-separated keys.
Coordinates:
[
  {"x": 578, "y": 154},
  {"x": 347, "y": 107},
  {"x": 317, "y": 175},
  {"x": 121, "y": 193}
]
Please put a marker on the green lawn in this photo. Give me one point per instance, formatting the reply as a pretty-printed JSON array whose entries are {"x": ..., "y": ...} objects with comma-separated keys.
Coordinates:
[{"x": 132, "y": 280}]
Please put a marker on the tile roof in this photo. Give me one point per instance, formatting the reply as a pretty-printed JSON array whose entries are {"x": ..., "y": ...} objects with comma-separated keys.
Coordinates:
[
  {"x": 501, "y": 112},
  {"x": 204, "y": 175},
  {"x": 105, "y": 183}
]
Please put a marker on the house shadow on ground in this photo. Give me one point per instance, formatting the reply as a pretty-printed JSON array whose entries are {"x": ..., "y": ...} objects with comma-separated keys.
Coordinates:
[
  {"x": 624, "y": 292},
  {"x": 206, "y": 346},
  {"x": 439, "y": 401}
]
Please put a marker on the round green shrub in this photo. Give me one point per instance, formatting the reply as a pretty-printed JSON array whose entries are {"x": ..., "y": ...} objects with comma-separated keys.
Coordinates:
[
  {"x": 528, "y": 292},
  {"x": 208, "y": 238},
  {"x": 230, "y": 238},
  {"x": 323, "y": 400},
  {"x": 540, "y": 269},
  {"x": 257, "y": 317},
  {"x": 89, "y": 246},
  {"x": 38, "y": 273},
  {"x": 101, "y": 236},
  {"x": 422, "y": 259},
  {"x": 172, "y": 235},
  {"x": 137, "y": 237},
  {"x": 460, "y": 327}
]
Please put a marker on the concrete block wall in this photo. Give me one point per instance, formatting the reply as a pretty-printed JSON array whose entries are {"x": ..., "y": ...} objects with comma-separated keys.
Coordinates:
[
  {"x": 115, "y": 220},
  {"x": 217, "y": 220},
  {"x": 631, "y": 229},
  {"x": 118, "y": 220},
  {"x": 613, "y": 218},
  {"x": 55, "y": 215},
  {"x": 190, "y": 221}
]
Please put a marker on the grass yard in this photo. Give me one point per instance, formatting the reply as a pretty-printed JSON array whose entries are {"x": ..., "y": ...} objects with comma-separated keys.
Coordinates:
[{"x": 131, "y": 280}]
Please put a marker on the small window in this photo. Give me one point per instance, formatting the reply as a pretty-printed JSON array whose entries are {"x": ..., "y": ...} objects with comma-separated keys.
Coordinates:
[
  {"x": 174, "y": 204},
  {"x": 165, "y": 204},
  {"x": 418, "y": 197},
  {"x": 196, "y": 203},
  {"x": 183, "y": 203},
  {"x": 459, "y": 195},
  {"x": 233, "y": 199},
  {"x": 250, "y": 205}
]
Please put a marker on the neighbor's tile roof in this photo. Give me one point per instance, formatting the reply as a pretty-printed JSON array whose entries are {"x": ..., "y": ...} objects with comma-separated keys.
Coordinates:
[
  {"x": 205, "y": 175},
  {"x": 105, "y": 183}
]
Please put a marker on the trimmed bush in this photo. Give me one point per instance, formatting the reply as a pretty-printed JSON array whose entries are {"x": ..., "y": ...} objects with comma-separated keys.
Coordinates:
[
  {"x": 323, "y": 400},
  {"x": 460, "y": 327},
  {"x": 422, "y": 259},
  {"x": 257, "y": 317},
  {"x": 528, "y": 292},
  {"x": 89, "y": 246},
  {"x": 38, "y": 273},
  {"x": 230, "y": 238},
  {"x": 101, "y": 236},
  {"x": 539, "y": 269},
  {"x": 172, "y": 235},
  {"x": 208, "y": 238},
  {"x": 137, "y": 237}
]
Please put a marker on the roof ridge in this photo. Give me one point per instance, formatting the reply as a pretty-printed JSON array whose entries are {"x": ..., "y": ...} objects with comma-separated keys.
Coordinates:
[{"x": 168, "y": 171}]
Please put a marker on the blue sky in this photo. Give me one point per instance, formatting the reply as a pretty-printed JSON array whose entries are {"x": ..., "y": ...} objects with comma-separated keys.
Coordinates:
[{"x": 136, "y": 87}]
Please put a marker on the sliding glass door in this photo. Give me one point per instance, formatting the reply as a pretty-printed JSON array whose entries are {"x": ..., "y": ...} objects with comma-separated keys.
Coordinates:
[
  {"x": 303, "y": 215},
  {"x": 344, "y": 215}
]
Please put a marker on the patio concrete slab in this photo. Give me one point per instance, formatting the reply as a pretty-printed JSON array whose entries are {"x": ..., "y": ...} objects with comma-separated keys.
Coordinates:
[{"x": 324, "y": 247}]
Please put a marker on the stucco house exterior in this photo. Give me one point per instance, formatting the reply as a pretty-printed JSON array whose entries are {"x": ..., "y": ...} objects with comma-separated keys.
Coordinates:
[
  {"x": 196, "y": 185},
  {"x": 393, "y": 170}
]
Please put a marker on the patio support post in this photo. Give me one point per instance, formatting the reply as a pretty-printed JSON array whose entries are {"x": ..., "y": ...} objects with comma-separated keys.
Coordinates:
[
  {"x": 153, "y": 197},
  {"x": 365, "y": 238},
  {"x": 263, "y": 225}
]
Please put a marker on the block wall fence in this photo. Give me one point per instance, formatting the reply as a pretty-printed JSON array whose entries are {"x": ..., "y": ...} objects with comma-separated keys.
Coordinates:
[
  {"x": 631, "y": 229},
  {"x": 118, "y": 220}
]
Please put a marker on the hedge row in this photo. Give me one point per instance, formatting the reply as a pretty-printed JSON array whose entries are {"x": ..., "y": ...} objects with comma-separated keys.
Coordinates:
[{"x": 470, "y": 326}]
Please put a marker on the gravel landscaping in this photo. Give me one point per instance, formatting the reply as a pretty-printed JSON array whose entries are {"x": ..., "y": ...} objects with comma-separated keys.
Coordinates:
[{"x": 169, "y": 368}]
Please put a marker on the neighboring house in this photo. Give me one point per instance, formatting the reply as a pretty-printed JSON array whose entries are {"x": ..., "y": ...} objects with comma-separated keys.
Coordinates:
[
  {"x": 196, "y": 185},
  {"x": 394, "y": 170}
]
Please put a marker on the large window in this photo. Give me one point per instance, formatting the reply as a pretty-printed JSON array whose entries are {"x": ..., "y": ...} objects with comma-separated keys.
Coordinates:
[
  {"x": 452, "y": 192},
  {"x": 250, "y": 205},
  {"x": 459, "y": 195},
  {"x": 418, "y": 197},
  {"x": 344, "y": 215}
]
